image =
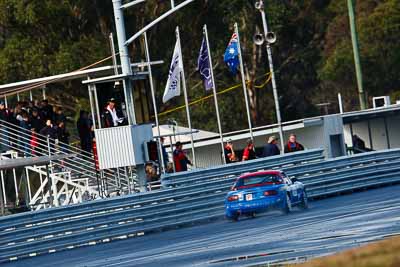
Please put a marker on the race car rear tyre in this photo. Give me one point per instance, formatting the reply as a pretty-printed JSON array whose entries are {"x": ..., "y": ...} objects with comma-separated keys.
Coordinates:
[
  {"x": 233, "y": 218},
  {"x": 288, "y": 205},
  {"x": 304, "y": 201},
  {"x": 251, "y": 215}
]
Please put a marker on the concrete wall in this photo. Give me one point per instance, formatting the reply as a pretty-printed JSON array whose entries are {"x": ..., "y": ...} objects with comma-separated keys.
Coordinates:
[
  {"x": 394, "y": 131},
  {"x": 334, "y": 136}
]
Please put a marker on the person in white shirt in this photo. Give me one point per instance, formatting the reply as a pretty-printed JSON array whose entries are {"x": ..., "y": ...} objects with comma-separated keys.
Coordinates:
[{"x": 110, "y": 115}]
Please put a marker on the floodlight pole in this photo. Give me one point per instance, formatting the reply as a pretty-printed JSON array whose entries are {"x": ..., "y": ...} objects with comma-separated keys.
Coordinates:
[
  {"x": 273, "y": 81},
  {"x": 354, "y": 40}
]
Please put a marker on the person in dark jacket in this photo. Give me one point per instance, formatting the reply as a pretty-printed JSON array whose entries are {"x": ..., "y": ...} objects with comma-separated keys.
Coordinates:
[
  {"x": 4, "y": 112},
  {"x": 271, "y": 149},
  {"x": 50, "y": 131},
  {"x": 24, "y": 137},
  {"x": 292, "y": 145},
  {"x": 36, "y": 120},
  {"x": 84, "y": 127},
  {"x": 5, "y": 116},
  {"x": 60, "y": 117},
  {"x": 111, "y": 117},
  {"x": 180, "y": 159},
  {"x": 63, "y": 137},
  {"x": 47, "y": 110}
]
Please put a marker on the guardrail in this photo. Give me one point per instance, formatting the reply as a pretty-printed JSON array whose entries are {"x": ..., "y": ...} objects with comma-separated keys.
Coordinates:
[
  {"x": 342, "y": 162},
  {"x": 302, "y": 157},
  {"x": 34, "y": 233}
]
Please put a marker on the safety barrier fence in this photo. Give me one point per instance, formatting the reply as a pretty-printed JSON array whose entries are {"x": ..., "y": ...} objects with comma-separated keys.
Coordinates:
[
  {"x": 299, "y": 158},
  {"x": 35, "y": 233}
]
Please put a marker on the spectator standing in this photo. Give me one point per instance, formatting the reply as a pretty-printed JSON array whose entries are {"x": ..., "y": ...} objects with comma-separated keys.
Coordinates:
[
  {"x": 36, "y": 120},
  {"x": 4, "y": 112},
  {"x": 180, "y": 159},
  {"x": 47, "y": 110},
  {"x": 50, "y": 131},
  {"x": 292, "y": 145},
  {"x": 84, "y": 127},
  {"x": 248, "y": 152},
  {"x": 271, "y": 148},
  {"x": 63, "y": 137},
  {"x": 110, "y": 115},
  {"x": 4, "y": 117},
  {"x": 229, "y": 152},
  {"x": 25, "y": 136},
  {"x": 60, "y": 116}
]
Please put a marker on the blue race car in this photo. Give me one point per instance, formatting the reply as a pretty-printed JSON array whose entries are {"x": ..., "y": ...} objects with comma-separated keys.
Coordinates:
[{"x": 263, "y": 190}]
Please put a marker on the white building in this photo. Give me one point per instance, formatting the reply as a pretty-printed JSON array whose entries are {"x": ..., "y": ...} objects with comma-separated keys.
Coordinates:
[{"x": 379, "y": 128}]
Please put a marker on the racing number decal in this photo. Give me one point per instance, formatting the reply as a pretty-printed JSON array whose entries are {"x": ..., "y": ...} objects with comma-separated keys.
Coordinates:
[{"x": 249, "y": 197}]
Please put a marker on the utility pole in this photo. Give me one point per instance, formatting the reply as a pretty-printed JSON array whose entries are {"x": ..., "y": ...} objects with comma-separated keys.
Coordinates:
[{"x": 354, "y": 40}]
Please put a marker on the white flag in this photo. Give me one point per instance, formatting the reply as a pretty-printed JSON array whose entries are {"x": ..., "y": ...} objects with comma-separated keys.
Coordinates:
[{"x": 173, "y": 87}]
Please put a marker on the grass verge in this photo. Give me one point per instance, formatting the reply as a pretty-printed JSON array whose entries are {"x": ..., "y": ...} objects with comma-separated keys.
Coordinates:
[{"x": 384, "y": 253}]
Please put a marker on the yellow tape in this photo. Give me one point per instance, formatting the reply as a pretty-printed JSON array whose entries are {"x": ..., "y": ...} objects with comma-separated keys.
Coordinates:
[{"x": 194, "y": 102}]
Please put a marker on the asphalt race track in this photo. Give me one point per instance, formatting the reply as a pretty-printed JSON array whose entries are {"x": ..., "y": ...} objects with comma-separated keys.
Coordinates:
[{"x": 330, "y": 225}]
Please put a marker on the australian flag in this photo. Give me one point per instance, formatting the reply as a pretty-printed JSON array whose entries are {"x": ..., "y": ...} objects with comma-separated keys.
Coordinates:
[
  {"x": 203, "y": 66},
  {"x": 231, "y": 56}
]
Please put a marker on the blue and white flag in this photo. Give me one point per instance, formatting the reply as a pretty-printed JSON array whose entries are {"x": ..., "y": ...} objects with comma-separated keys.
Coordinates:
[
  {"x": 173, "y": 87},
  {"x": 231, "y": 56},
  {"x": 203, "y": 66}
]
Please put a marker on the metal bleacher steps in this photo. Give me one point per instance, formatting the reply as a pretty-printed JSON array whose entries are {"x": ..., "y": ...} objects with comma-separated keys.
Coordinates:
[{"x": 76, "y": 174}]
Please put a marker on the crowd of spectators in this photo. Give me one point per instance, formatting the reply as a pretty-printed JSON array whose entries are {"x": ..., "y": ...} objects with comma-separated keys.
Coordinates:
[
  {"x": 30, "y": 118},
  {"x": 34, "y": 120}
]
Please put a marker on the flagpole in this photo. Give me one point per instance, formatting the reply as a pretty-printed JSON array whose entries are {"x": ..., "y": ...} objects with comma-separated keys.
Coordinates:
[
  {"x": 185, "y": 95},
  {"x": 246, "y": 98},
  {"x": 214, "y": 92},
  {"x": 153, "y": 96}
]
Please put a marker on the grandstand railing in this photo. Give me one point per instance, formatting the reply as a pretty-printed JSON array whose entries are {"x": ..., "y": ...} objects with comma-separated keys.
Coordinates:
[{"x": 81, "y": 166}]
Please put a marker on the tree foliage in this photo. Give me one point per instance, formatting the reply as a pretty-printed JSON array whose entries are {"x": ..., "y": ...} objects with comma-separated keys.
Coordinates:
[{"x": 313, "y": 56}]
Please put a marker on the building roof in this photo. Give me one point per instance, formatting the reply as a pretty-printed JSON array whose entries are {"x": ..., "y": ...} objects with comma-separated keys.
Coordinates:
[
  {"x": 21, "y": 86},
  {"x": 372, "y": 113},
  {"x": 181, "y": 134}
]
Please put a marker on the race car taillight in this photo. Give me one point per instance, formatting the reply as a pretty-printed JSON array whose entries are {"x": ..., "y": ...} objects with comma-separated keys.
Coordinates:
[
  {"x": 233, "y": 198},
  {"x": 270, "y": 193}
]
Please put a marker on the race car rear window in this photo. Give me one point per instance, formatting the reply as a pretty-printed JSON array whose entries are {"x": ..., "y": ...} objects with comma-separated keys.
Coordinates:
[{"x": 258, "y": 180}]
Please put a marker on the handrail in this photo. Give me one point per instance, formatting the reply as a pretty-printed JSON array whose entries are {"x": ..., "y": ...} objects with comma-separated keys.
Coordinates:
[
  {"x": 82, "y": 164},
  {"x": 41, "y": 137}
]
